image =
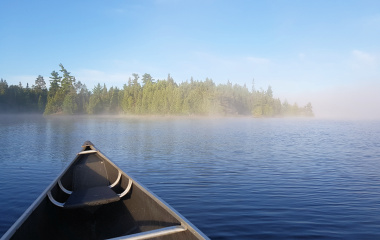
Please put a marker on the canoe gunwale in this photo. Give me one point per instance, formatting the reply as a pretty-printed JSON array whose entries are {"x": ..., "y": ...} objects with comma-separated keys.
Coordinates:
[
  {"x": 36, "y": 203},
  {"x": 153, "y": 233},
  {"x": 179, "y": 217}
]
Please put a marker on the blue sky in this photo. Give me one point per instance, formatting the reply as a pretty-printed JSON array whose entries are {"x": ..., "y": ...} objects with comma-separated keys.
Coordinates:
[{"x": 318, "y": 51}]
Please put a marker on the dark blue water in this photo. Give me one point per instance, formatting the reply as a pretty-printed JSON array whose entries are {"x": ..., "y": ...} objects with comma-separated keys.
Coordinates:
[{"x": 234, "y": 178}]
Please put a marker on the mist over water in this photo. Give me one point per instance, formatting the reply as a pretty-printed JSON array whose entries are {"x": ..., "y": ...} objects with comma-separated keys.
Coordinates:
[{"x": 350, "y": 101}]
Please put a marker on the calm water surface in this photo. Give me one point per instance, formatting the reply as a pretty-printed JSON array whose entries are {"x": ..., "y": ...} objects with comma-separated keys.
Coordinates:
[{"x": 234, "y": 178}]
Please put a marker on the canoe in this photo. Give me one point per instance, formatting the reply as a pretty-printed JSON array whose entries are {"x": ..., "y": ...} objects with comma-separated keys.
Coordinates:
[{"x": 94, "y": 199}]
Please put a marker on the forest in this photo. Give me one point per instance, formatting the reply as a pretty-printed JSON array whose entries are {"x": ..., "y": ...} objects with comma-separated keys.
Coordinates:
[{"x": 144, "y": 96}]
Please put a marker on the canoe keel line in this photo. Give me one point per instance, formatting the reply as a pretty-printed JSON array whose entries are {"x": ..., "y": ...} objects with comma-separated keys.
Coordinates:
[{"x": 94, "y": 199}]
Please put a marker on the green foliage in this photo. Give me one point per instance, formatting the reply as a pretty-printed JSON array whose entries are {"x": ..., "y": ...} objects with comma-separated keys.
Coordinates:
[
  {"x": 66, "y": 95},
  {"x": 114, "y": 102},
  {"x": 158, "y": 97},
  {"x": 3, "y": 87},
  {"x": 96, "y": 104},
  {"x": 40, "y": 84},
  {"x": 69, "y": 104},
  {"x": 15, "y": 98},
  {"x": 41, "y": 103},
  {"x": 146, "y": 78},
  {"x": 55, "y": 83}
]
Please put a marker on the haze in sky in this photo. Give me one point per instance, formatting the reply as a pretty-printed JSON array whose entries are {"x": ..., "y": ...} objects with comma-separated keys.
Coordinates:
[{"x": 323, "y": 52}]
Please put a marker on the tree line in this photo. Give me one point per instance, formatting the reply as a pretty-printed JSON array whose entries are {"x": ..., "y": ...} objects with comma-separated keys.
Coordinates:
[{"x": 144, "y": 96}]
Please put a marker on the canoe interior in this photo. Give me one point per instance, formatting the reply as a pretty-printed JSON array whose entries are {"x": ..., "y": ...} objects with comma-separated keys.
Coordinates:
[{"x": 136, "y": 212}]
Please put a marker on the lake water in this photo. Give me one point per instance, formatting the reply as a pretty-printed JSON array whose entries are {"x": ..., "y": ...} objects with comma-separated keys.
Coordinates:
[{"x": 234, "y": 178}]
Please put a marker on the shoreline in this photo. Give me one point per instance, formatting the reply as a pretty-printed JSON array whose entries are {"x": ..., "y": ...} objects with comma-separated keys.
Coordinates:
[{"x": 151, "y": 116}]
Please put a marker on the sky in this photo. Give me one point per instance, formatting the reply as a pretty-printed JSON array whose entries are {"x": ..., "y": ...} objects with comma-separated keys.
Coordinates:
[{"x": 324, "y": 52}]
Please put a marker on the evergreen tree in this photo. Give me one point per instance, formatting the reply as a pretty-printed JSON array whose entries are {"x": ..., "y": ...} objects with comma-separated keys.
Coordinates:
[
  {"x": 67, "y": 81},
  {"x": 40, "y": 83},
  {"x": 114, "y": 101},
  {"x": 69, "y": 96},
  {"x": 69, "y": 103},
  {"x": 3, "y": 86},
  {"x": 60, "y": 88},
  {"x": 55, "y": 83},
  {"x": 95, "y": 104},
  {"x": 83, "y": 97},
  {"x": 146, "y": 78}
]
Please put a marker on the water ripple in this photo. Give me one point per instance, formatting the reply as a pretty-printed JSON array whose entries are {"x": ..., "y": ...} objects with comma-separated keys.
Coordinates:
[{"x": 232, "y": 178}]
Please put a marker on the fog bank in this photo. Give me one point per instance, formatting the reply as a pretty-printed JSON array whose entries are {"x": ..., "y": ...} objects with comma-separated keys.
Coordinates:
[{"x": 359, "y": 101}]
